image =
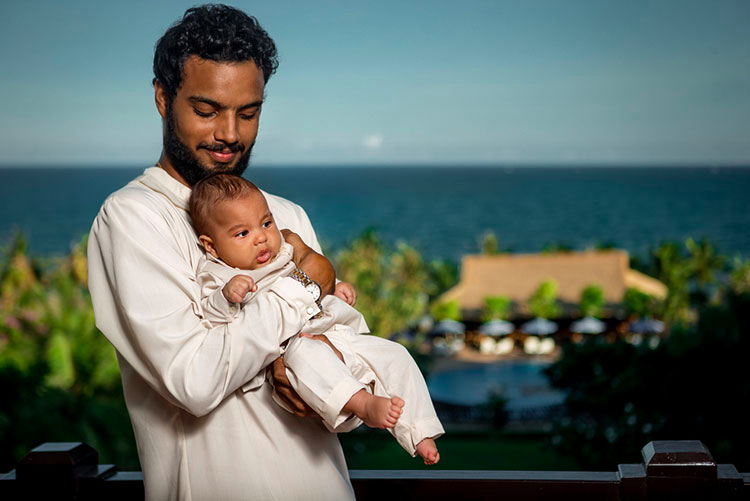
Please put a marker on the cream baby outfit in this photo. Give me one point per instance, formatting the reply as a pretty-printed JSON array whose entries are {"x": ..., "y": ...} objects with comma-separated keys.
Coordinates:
[
  {"x": 378, "y": 365},
  {"x": 206, "y": 425}
]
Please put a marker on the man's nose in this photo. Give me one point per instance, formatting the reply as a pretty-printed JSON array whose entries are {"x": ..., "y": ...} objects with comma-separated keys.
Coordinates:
[{"x": 226, "y": 129}]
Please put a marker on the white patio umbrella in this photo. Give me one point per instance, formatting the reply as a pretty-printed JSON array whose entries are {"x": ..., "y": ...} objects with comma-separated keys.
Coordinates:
[
  {"x": 448, "y": 326},
  {"x": 588, "y": 325},
  {"x": 647, "y": 326},
  {"x": 539, "y": 327},
  {"x": 497, "y": 328}
]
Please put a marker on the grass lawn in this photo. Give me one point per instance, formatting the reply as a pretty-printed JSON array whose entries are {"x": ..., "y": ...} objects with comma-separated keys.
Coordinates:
[{"x": 377, "y": 450}]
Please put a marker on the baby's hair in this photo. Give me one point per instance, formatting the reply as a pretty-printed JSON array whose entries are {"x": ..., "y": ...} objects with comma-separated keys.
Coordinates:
[{"x": 213, "y": 189}]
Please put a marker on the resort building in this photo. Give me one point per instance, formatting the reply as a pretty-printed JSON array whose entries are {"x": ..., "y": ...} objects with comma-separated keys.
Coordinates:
[{"x": 517, "y": 276}]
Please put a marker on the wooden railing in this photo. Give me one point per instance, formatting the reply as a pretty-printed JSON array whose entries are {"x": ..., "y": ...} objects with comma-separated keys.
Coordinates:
[{"x": 673, "y": 470}]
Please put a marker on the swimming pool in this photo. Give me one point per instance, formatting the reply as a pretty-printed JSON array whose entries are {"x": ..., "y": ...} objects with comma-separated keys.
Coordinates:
[{"x": 521, "y": 382}]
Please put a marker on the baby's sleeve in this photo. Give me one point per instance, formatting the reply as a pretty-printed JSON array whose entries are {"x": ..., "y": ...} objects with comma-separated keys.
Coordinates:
[{"x": 215, "y": 307}]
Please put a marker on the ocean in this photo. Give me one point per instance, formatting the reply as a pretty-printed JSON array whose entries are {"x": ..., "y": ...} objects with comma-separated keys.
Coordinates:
[{"x": 442, "y": 211}]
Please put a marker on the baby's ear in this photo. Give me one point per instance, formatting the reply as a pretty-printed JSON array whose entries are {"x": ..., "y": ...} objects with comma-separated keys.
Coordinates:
[{"x": 208, "y": 244}]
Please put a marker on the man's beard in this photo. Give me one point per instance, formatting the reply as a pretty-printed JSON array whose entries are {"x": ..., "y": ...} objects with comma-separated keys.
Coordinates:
[{"x": 186, "y": 162}]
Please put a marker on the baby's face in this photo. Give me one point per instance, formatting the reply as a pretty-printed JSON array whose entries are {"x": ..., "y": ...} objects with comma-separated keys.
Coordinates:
[{"x": 244, "y": 233}]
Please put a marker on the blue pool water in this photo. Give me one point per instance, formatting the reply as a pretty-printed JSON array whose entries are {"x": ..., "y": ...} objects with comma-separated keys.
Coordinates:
[{"x": 521, "y": 382}]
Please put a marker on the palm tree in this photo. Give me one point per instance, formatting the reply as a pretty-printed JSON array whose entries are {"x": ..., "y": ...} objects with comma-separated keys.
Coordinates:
[
  {"x": 703, "y": 261},
  {"x": 672, "y": 268},
  {"x": 592, "y": 301},
  {"x": 543, "y": 302}
]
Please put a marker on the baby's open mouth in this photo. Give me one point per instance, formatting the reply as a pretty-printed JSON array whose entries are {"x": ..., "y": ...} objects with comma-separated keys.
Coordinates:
[{"x": 264, "y": 256}]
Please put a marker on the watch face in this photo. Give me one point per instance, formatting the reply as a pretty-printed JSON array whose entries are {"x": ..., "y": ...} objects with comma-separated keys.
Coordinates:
[{"x": 314, "y": 290}]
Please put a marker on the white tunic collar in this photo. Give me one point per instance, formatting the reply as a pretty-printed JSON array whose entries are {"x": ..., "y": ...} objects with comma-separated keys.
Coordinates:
[{"x": 160, "y": 181}]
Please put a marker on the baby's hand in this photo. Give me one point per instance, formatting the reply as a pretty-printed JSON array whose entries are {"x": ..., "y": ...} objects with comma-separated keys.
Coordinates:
[
  {"x": 345, "y": 291},
  {"x": 237, "y": 288}
]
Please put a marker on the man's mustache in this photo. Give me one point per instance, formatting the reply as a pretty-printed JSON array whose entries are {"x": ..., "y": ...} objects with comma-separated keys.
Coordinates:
[{"x": 224, "y": 148}]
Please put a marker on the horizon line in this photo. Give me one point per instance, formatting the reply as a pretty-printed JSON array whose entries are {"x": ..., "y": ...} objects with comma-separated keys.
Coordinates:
[{"x": 425, "y": 165}]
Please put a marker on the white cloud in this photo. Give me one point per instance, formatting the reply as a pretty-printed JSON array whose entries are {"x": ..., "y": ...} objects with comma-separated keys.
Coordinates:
[{"x": 373, "y": 141}]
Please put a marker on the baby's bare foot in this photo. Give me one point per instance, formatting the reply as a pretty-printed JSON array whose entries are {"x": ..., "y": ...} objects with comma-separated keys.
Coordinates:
[
  {"x": 376, "y": 412},
  {"x": 428, "y": 451}
]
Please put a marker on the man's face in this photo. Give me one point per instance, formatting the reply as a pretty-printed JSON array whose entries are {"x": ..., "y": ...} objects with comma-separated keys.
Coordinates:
[
  {"x": 212, "y": 121},
  {"x": 243, "y": 232}
]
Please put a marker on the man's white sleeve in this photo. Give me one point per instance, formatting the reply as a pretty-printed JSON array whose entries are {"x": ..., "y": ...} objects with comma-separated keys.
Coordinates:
[{"x": 147, "y": 303}]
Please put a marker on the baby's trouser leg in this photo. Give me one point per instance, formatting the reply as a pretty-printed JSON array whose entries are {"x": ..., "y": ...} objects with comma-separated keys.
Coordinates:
[
  {"x": 322, "y": 380},
  {"x": 396, "y": 374}
]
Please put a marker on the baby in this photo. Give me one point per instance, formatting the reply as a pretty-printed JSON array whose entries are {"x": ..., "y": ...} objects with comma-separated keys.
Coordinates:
[{"x": 245, "y": 253}]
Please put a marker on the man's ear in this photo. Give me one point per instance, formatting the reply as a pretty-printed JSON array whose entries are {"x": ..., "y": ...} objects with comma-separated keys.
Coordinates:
[
  {"x": 161, "y": 98},
  {"x": 208, "y": 244}
]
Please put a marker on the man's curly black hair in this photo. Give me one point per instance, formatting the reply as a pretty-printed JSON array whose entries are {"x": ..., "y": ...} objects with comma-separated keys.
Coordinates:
[{"x": 216, "y": 32}]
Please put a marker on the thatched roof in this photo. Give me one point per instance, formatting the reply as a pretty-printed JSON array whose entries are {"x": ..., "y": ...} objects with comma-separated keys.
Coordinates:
[{"x": 517, "y": 276}]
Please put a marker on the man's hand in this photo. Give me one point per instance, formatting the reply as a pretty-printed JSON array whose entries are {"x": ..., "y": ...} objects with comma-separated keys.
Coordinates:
[
  {"x": 324, "y": 339},
  {"x": 346, "y": 291},
  {"x": 286, "y": 392},
  {"x": 237, "y": 288},
  {"x": 316, "y": 266}
]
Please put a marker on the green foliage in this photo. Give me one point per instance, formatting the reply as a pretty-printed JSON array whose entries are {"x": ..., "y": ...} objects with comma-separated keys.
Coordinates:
[
  {"x": 670, "y": 265},
  {"x": 443, "y": 275},
  {"x": 637, "y": 303},
  {"x": 543, "y": 302},
  {"x": 63, "y": 372},
  {"x": 459, "y": 450},
  {"x": 739, "y": 277},
  {"x": 556, "y": 247},
  {"x": 691, "y": 384},
  {"x": 606, "y": 245},
  {"x": 703, "y": 260},
  {"x": 446, "y": 310},
  {"x": 489, "y": 244},
  {"x": 496, "y": 308},
  {"x": 592, "y": 301},
  {"x": 392, "y": 284}
]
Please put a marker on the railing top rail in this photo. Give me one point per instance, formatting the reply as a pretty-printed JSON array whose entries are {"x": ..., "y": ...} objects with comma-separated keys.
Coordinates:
[{"x": 670, "y": 469}]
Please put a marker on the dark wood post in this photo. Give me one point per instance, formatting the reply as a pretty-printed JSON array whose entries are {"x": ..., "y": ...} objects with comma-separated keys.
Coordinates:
[
  {"x": 679, "y": 470},
  {"x": 57, "y": 470}
]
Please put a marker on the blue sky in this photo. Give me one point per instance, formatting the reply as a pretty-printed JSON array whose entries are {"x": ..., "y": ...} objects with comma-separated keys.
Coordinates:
[{"x": 380, "y": 82}]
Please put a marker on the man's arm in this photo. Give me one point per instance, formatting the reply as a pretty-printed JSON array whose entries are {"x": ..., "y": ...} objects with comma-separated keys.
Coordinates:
[
  {"x": 146, "y": 302},
  {"x": 314, "y": 264}
]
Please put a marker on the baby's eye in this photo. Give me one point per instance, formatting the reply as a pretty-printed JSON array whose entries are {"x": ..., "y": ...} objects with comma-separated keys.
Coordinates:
[
  {"x": 241, "y": 234},
  {"x": 268, "y": 224}
]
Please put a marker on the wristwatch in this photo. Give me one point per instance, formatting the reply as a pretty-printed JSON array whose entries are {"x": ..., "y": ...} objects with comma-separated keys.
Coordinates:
[{"x": 309, "y": 284}]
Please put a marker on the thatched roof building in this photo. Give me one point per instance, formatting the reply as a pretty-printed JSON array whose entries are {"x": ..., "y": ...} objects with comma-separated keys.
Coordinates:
[{"x": 517, "y": 276}]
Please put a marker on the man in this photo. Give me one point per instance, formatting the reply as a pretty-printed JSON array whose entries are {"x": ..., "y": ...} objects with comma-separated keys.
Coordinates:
[{"x": 205, "y": 423}]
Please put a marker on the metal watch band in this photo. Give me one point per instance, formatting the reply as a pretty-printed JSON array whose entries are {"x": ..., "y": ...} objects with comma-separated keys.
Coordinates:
[{"x": 303, "y": 278}]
